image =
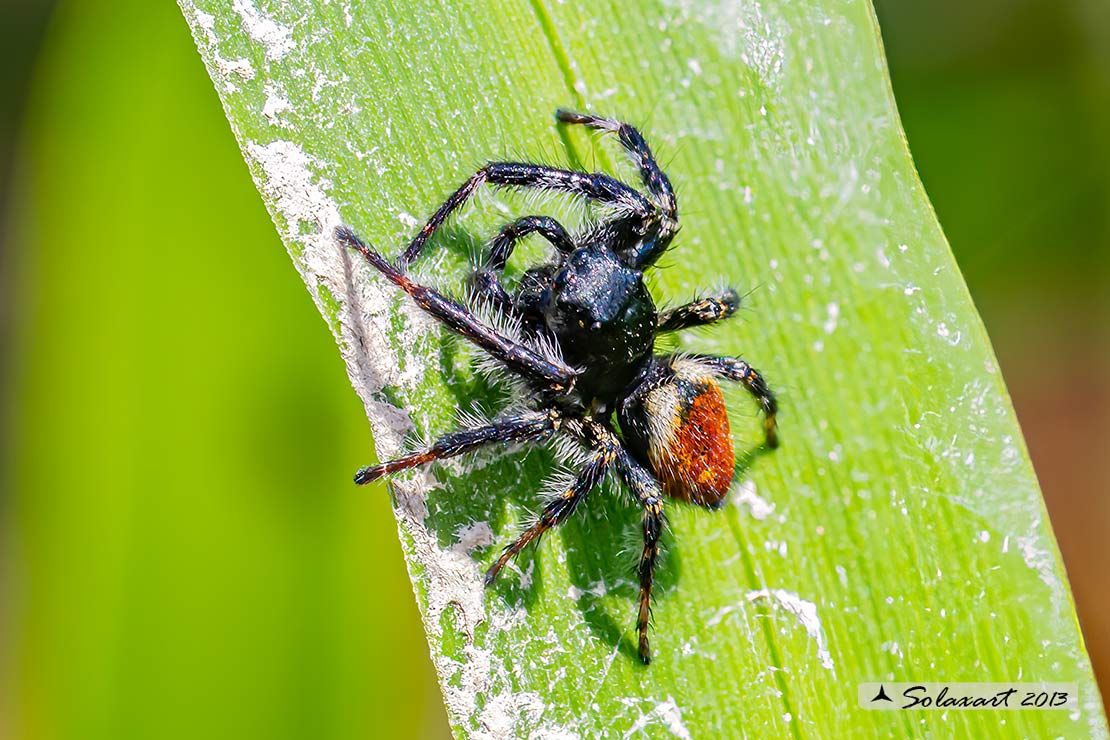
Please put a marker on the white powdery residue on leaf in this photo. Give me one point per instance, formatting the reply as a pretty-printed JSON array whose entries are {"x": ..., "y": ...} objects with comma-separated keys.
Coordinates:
[
  {"x": 408, "y": 219},
  {"x": 321, "y": 81},
  {"x": 473, "y": 536},
  {"x": 1094, "y": 710},
  {"x": 952, "y": 336},
  {"x": 598, "y": 589},
  {"x": 500, "y": 716},
  {"x": 806, "y": 612},
  {"x": 300, "y": 198},
  {"x": 746, "y": 495},
  {"x": 298, "y": 195},
  {"x": 277, "y": 39},
  {"x": 720, "y": 614},
  {"x": 832, "y": 310},
  {"x": 666, "y": 713},
  {"x": 241, "y": 68},
  {"x": 453, "y": 581},
  {"x": 227, "y": 70},
  {"x": 554, "y": 734},
  {"x": 1042, "y": 561},
  {"x": 275, "y": 105},
  {"x": 287, "y": 179},
  {"x": 742, "y": 31},
  {"x": 206, "y": 21}
]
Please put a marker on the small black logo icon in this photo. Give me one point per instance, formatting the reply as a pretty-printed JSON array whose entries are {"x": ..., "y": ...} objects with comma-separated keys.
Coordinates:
[{"x": 882, "y": 695}]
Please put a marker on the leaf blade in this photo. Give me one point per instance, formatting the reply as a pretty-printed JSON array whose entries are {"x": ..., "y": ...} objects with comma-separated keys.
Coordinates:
[{"x": 897, "y": 421}]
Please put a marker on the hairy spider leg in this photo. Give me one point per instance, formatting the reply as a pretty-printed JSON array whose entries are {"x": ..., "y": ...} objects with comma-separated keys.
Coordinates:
[
  {"x": 655, "y": 180},
  {"x": 502, "y": 246},
  {"x": 555, "y": 374},
  {"x": 486, "y": 279},
  {"x": 738, "y": 371},
  {"x": 531, "y": 426},
  {"x": 652, "y": 175},
  {"x": 648, "y": 492},
  {"x": 560, "y": 508},
  {"x": 595, "y": 186},
  {"x": 701, "y": 312}
]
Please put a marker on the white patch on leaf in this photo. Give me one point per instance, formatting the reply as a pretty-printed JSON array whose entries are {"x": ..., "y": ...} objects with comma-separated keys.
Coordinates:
[{"x": 277, "y": 39}]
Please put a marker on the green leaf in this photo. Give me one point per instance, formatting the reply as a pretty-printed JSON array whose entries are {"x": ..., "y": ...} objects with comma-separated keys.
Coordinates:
[{"x": 898, "y": 534}]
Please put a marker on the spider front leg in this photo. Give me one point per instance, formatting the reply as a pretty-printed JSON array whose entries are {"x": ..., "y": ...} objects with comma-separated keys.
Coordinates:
[
  {"x": 486, "y": 279},
  {"x": 559, "y": 509},
  {"x": 595, "y": 186},
  {"x": 649, "y": 494},
  {"x": 521, "y": 428},
  {"x": 652, "y": 175},
  {"x": 702, "y": 312},
  {"x": 554, "y": 373},
  {"x": 738, "y": 371}
]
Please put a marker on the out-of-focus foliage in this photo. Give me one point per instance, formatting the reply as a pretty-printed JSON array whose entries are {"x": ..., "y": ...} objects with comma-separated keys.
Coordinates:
[
  {"x": 1007, "y": 123},
  {"x": 183, "y": 552}
]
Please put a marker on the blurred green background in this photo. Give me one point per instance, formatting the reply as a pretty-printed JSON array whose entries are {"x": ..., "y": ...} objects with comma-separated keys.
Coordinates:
[{"x": 181, "y": 551}]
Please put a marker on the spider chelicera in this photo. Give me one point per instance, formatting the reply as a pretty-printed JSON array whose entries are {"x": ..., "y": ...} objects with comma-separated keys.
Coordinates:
[{"x": 579, "y": 333}]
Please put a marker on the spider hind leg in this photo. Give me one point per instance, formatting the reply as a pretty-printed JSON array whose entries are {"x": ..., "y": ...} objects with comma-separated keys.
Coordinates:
[
  {"x": 558, "y": 510},
  {"x": 649, "y": 494}
]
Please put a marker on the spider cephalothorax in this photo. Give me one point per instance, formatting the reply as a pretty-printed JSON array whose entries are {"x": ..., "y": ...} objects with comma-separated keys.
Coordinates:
[{"x": 585, "y": 349}]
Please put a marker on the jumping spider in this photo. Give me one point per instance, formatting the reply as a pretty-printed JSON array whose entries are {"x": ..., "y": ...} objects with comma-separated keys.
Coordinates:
[{"x": 585, "y": 349}]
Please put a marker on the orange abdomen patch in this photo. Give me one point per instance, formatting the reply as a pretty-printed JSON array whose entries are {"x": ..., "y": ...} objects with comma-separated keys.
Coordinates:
[{"x": 694, "y": 457}]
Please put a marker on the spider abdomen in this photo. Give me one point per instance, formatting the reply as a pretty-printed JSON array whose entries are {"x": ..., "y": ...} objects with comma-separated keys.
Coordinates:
[
  {"x": 694, "y": 459},
  {"x": 682, "y": 428}
]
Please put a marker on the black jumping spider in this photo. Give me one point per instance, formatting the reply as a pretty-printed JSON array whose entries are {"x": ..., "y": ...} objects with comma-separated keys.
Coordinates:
[{"x": 584, "y": 349}]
